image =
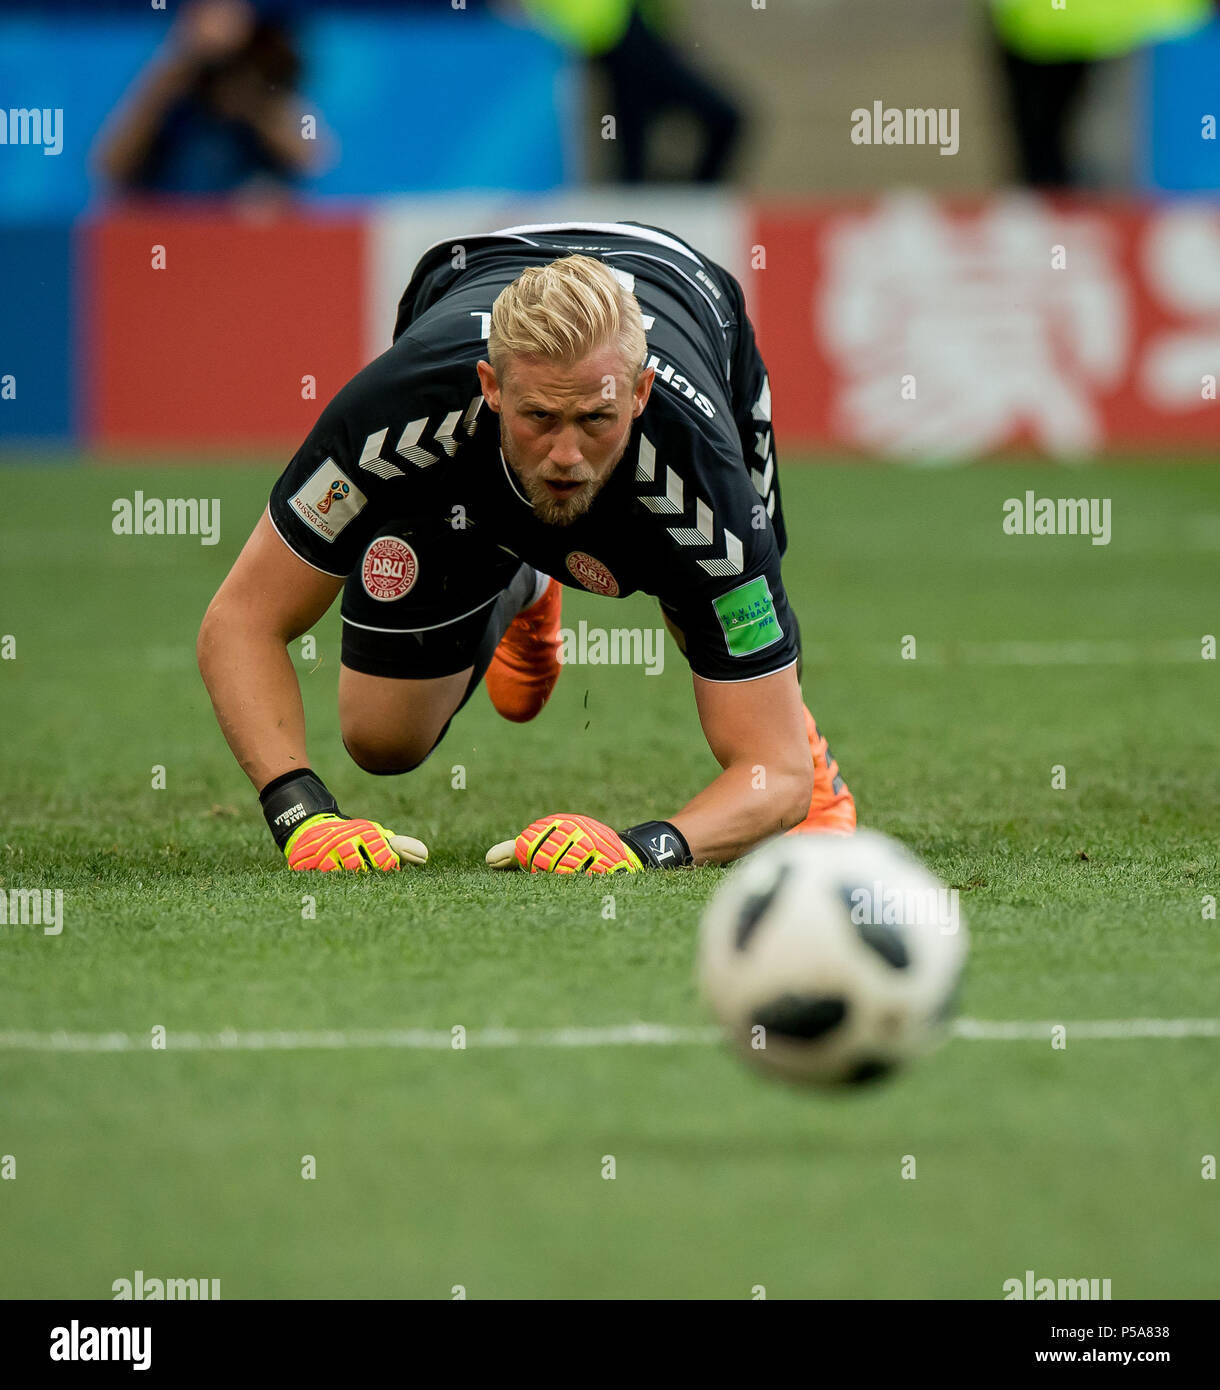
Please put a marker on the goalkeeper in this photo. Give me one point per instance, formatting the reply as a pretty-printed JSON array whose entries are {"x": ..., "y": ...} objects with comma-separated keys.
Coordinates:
[{"x": 576, "y": 404}]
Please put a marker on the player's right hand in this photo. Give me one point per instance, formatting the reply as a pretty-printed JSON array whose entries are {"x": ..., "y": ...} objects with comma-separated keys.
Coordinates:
[
  {"x": 566, "y": 844},
  {"x": 328, "y": 841}
]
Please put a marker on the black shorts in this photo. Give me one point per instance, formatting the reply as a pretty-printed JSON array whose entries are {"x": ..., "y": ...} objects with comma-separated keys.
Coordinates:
[{"x": 430, "y": 600}]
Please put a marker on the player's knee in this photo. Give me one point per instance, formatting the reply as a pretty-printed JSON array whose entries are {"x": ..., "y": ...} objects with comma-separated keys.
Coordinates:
[
  {"x": 796, "y": 796},
  {"x": 383, "y": 758}
]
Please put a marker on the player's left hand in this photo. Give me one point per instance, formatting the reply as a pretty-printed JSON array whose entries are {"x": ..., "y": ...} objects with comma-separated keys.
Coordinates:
[
  {"x": 566, "y": 844},
  {"x": 326, "y": 842}
]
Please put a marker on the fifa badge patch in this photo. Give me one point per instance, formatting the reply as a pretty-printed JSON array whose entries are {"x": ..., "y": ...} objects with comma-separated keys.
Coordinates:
[
  {"x": 328, "y": 501},
  {"x": 591, "y": 574},
  {"x": 747, "y": 615},
  {"x": 390, "y": 569}
]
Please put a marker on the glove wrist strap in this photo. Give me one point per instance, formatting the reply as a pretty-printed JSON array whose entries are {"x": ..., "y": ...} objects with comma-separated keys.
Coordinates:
[
  {"x": 658, "y": 844},
  {"x": 289, "y": 800}
]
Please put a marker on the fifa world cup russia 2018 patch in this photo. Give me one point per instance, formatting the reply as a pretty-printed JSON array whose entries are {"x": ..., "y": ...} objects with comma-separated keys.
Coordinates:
[
  {"x": 591, "y": 573},
  {"x": 747, "y": 615},
  {"x": 389, "y": 570},
  {"x": 328, "y": 501}
]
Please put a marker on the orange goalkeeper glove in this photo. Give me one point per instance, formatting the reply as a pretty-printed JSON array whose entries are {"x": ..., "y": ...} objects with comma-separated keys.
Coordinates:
[
  {"x": 569, "y": 844},
  {"x": 331, "y": 842},
  {"x": 566, "y": 844},
  {"x": 314, "y": 834}
]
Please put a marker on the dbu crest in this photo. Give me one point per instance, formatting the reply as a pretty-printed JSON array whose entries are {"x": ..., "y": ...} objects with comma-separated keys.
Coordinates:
[{"x": 335, "y": 493}]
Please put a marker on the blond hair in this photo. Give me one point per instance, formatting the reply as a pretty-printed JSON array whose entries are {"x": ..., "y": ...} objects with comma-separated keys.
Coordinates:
[{"x": 562, "y": 312}]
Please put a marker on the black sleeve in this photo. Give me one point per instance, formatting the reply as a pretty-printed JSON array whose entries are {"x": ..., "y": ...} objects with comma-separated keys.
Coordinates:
[
  {"x": 723, "y": 586},
  {"x": 740, "y": 628},
  {"x": 369, "y": 444}
]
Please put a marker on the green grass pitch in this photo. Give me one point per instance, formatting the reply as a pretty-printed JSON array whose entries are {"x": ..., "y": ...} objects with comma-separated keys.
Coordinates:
[{"x": 484, "y": 1167}]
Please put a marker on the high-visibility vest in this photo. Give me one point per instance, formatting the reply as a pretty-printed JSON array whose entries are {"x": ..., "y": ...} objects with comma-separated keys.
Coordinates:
[
  {"x": 591, "y": 26},
  {"x": 1058, "y": 31}
]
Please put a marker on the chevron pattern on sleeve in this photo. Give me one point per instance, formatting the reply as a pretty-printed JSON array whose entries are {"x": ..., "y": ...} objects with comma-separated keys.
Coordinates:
[
  {"x": 444, "y": 440},
  {"x": 701, "y": 528}
]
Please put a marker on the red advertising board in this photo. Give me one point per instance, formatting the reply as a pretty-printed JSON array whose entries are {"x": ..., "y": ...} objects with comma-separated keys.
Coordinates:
[
  {"x": 911, "y": 327},
  {"x": 901, "y": 327},
  {"x": 209, "y": 329}
]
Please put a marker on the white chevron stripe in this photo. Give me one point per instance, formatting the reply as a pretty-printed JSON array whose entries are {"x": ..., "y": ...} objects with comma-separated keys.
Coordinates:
[
  {"x": 411, "y": 434},
  {"x": 645, "y": 468},
  {"x": 408, "y": 448},
  {"x": 704, "y": 530},
  {"x": 762, "y": 481},
  {"x": 383, "y": 469},
  {"x": 672, "y": 501},
  {"x": 421, "y": 458},
  {"x": 372, "y": 446},
  {"x": 444, "y": 434},
  {"x": 470, "y": 419},
  {"x": 762, "y": 443},
  {"x": 771, "y": 505},
  {"x": 761, "y": 410},
  {"x": 734, "y": 557},
  {"x": 378, "y": 466}
]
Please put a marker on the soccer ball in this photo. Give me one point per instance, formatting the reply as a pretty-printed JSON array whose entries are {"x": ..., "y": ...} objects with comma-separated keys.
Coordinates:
[{"x": 831, "y": 959}]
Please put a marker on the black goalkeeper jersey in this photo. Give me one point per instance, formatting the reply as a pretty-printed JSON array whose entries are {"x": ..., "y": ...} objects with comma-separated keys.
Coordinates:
[{"x": 686, "y": 516}]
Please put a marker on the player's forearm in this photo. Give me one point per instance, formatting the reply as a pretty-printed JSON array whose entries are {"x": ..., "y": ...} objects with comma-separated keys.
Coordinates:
[
  {"x": 129, "y": 134},
  {"x": 250, "y": 678},
  {"x": 278, "y": 125},
  {"x": 733, "y": 813}
]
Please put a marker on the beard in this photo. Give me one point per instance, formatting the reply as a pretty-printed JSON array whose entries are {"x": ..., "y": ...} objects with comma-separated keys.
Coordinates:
[{"x": 560, "y": 511}]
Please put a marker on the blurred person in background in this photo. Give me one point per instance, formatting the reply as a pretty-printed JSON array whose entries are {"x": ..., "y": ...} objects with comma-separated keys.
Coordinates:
[
  {"x": 648, "y": 77},
  {"x": 218, "y": 113},
  {"x": 1048, "y": 54}
]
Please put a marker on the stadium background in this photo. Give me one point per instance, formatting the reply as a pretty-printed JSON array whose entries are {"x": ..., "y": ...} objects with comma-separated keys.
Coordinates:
[
  {"x": 122, "y": 358},
  {"x": 483, "y": 1170}
]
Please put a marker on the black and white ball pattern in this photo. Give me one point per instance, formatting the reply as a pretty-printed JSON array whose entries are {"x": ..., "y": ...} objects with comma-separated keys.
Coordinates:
[{"x": 831, "y": 959}]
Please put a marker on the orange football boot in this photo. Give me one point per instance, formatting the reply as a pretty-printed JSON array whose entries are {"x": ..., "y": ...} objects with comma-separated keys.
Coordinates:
[
  {"x": 832, "y": 807},
  {"x": 526, "y": 664}
]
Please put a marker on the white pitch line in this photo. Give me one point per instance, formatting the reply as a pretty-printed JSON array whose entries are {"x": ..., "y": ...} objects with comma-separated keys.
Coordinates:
[
  {"x": 419, "y": 1039},
  {"x": 630, "y": 1034},
  {"x": 986, "y": 1030},
  {"x": 1068, "y": 652}
]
